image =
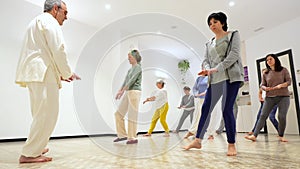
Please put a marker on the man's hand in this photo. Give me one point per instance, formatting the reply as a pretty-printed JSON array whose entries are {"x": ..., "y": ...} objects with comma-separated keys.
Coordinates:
[
  {"x": 72, "y": 78},
  {"x": 75, "y": 77}
]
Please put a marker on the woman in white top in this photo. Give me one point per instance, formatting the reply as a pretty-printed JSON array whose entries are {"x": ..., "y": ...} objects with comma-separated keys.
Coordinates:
[{"x": 161, "y": 103}]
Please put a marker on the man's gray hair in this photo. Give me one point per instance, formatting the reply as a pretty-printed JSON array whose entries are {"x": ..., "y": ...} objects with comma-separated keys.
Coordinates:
[{"x": 49, "y": 4}]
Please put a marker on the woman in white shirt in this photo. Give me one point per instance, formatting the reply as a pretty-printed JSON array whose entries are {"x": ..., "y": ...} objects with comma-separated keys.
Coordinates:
[{"x": 161, "y": 104}]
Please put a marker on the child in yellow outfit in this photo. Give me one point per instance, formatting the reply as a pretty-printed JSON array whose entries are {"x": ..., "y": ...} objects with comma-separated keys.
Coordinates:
[{"x": 161, "y": 102}]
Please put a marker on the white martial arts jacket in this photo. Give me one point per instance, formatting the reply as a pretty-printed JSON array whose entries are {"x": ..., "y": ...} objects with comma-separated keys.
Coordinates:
[{"x": 43, "y": 47}]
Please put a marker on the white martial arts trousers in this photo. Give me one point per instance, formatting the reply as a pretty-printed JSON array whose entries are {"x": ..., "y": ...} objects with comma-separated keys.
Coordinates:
[
  {"x": 130, "y": 104},
  {"x": 197, "y": 114},
  {"x": 216, "y": 116},
  {"x": 44, "y": 98}
]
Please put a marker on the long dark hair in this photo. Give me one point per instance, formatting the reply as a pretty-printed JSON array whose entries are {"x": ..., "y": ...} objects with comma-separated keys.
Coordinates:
[{"x": 278, "y": 66}]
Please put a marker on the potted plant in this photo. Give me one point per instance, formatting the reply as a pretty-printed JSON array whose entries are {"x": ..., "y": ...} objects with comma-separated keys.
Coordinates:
[{"x": 183, "y": 67}]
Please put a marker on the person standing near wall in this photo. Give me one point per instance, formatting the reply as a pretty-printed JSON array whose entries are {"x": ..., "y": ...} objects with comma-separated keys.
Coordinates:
[
  {"x": 275, "y": 81},
  {"x": 160, "y": 97},
  {"x": 187, "y": 104},
  {"x": 130, "y": 102},
  {"x": 42, "y": 65},
  {"x": 199, "y": 90},
  {"x": 223, "y": 65}
]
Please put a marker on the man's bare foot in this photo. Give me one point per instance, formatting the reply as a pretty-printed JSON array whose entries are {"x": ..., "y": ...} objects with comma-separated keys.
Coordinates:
[
  {"x": 39, "y": 159},
  {"x": 46, "y": 150},
  {"x": 194, "y": 144},
  {"x": 250, "y": 133},
  {"x": 231, "y": 150},
  {"x": 174, "y": 131},
  {"x": 188, "y": 134},
  {"x": 166, "y": 135},
  {"x": 147, "y": 135},
  {"x": 282, "y": 139},
  {"x": 251, "y": 137},
  {"x": 210, "y": 137}
]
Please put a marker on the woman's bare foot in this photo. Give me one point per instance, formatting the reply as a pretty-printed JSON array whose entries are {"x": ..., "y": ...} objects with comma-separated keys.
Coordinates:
[
  {"x": 282, "y": 139},
  {"x": 231, "y": 150},
  {"x": 46, "y": 150},
  {"x": 39, "y": 159},
  {"x": 251, "y": 137},
  {"x": 195, "y": 144},
  {"x": 188, "y": 134},
  {"x": 166, "y": 135},
  {"x": 147, "y": 135},
  {"x": 210, "y": 137},
  {"x": 250, "y": 133}
]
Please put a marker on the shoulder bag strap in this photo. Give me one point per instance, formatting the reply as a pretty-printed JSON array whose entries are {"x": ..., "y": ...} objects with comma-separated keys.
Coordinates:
[{"x": 229, "y": 43}]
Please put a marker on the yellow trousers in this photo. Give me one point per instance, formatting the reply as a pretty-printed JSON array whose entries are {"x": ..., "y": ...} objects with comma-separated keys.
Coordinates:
[{"x": 161, "y": 114}]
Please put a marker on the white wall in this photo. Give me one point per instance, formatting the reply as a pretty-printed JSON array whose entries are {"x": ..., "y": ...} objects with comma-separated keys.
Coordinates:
[
  {"x": 103, "y": 65},
  {"x": 15, "y": 118},
  {"x": 278, "y": 39}
]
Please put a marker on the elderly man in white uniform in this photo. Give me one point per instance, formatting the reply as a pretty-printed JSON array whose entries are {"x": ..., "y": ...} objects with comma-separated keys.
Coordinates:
[{"x": 42, "y": 66}]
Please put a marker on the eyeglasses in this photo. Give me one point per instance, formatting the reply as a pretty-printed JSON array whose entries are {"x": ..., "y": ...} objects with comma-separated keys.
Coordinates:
[{"x": 65, "y": 11}]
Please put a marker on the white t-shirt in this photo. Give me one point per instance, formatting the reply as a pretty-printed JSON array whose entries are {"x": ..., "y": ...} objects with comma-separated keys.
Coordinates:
[{"x": 161, "y": 97}]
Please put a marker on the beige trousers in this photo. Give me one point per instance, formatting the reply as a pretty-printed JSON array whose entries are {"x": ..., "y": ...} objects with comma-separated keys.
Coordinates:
[
  {"x": 197, "y": 114},
  {"x": 44, "y": 98},
  {"x": 130, "y": 104}
]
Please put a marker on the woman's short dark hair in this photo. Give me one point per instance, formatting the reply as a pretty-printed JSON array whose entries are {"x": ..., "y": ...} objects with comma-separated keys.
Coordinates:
[
  {"x": 278, "y": 66},
  {"x": 186, "y": 88},
  {"x": 220, "y": 16}
]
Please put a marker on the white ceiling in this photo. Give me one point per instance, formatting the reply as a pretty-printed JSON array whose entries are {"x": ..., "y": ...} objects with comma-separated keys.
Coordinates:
[{"x": 245, "y": 15}]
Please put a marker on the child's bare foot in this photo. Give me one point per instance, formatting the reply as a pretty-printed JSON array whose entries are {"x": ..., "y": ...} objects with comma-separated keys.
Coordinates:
[
  {"x": 39, "y": 159},
  {"x": 282, "y": 139},
  {"x": 147, "y": 135},
  {"x": 251, "y": 137},
  {"x": 210, "y": 137},
  {"x": 194, "y": 144},
  {"x": 166, "y": 135},
  {"x": 231, "y": 150},
  {"x": 250, "y": 133},
  {"x": 188, "y": 134}
]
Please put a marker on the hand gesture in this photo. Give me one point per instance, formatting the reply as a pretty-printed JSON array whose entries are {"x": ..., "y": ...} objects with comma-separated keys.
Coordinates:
[
  {"x": 72, "y": 78},
  {"x": 277, "y": 87},
  {"x": 75, "y": 77},
  {"x": 207, "y": 72},
  {"x": 119, "y": 94},
  {"x": 203, "y": 73}
]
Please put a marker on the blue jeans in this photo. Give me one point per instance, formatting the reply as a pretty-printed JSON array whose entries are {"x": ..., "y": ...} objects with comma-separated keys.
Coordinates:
[
  {"x": 213, "y": 94},
  {"x": 271, "y": 116}
]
